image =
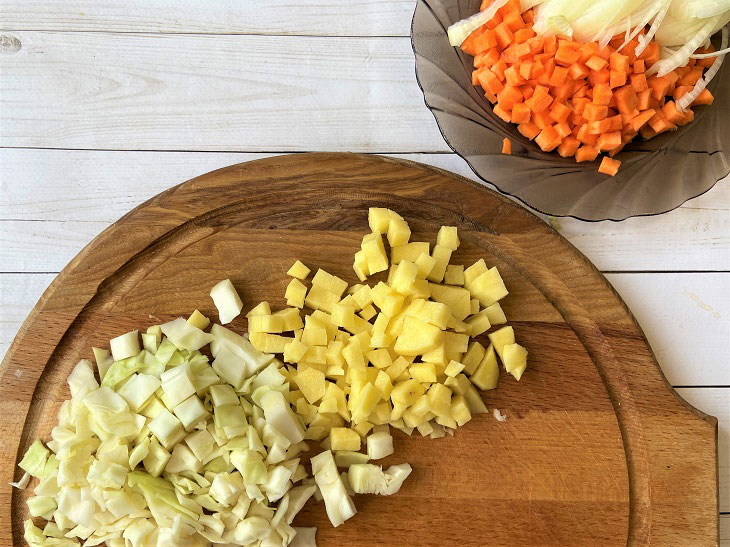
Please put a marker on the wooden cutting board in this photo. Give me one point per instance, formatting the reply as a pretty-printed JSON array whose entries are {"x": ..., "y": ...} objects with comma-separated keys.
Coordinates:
[{"x": 597, "y": 449}]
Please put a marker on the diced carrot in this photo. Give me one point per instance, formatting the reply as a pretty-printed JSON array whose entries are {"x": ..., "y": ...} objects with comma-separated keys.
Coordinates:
[
  {"x": 626, "y": 100},
  {"x": 523, "y": 34},
  {"x": 578, "y": 71},
  {"x": 596, "y": 63},
  {"x": 566, "y": 90},
  {"x": 539, "y": 101},
  {"x": 600, "y": 76},
  {"x": 568, "y": 147},
  {"x": 514, "y": 53},
  {"x": 506, "y": 146},
  {"x": 639, "y": 66},
  {"x": 643, "y": 97},
  {"x": 504, "y": 35},
  {"x": 494, "y": 21},
  {"x": 576, "y": 119},
  {"x": 602, "y": 94},
  {"x": 639, "y": 121},
  {"x": 527, "y": 91},
  {"x": 525, "y": 70},
  {"x": 681, "y": 90},
  {"x": 638, "y": 82},
  {"x": 489, "y": 81},
  {"x": 619, "y": 62},
  {"x": 536, "y": 44},
  {"x": 498, "y": 69},
  {"x": 548, "y": 139},
  {"x": 588, "y": 50},
  {"x": 566, "y": 56},
  {"x": 647, "y": 132},
  {"x": 599, "y": 126},
  {"x": 672, "y": 113},
  {"x": 582, "y": 90},
  {"x": 705, "y": 97},
  {"x": 529, "y": 130},
  {"x": 585, "y": 137},
  {"x": 609, "y": 166},
  {"x": 475, "y": 77},
  {"x": 609, "y": 141},
  {"x": 563, "y": 130},
  {"x": 529, "y": 17},
  {"x": 513, "y": 77},
  {"x": 659, "y": 86},
  {"x": 559, "y": 112},
  {"x": 467, "y": 46},
  {"x": 486, "y": 40},
  {"x": 508, "y": 97},
  {"x": 520, "y": 113},
  {"x": 514, "y": 21},
  {"x": 707, "y": 62},
  {"x": 542, "y": 119},
  {"x": 579, "y": 104},
  {"x": 651, "y": 53},
  {"x": 672, "y": 77},
  {"x": 506, "y": 115},
  {"x": 593, "y": 112},
  {"x": 537, "y": 68},
  {"x": 558, "y": 76},
  {"x": 585, "y": 153},
  {"x": 615, "y": 123},
  {"x": 660, "y": 123},
  {"x": 691, "y": 78},
  {"x": 617, "y": 78},
  {"x": 550, "y": 44}
]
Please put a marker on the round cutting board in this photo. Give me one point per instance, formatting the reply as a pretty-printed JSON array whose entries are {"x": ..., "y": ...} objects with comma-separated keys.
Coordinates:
[{"x": 596, "y": 449}]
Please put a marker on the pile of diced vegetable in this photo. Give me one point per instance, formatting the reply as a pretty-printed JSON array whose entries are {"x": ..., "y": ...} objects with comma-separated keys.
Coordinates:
[
  {"x": 586, "y": 78},
  {"x": 159, "y": 446}
]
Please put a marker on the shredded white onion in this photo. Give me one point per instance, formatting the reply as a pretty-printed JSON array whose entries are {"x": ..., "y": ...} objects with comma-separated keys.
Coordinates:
[
  {"x": 680, "y": 58},
  {"x": 646, "y": 39},
  {"x": 688, "y": 98},
  {"x": 460, "y": 31}
]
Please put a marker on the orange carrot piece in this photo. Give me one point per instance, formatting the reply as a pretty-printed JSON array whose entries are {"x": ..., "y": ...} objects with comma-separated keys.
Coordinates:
[
  {"x": 639, "y": 121},
  {"x": 638, "y": 82},
  {"x": 568, "y": 147},
  {"x": 550, "y": 44},
  {"x": 559, "y": 112},
  {"x": 681, "y": 90},
  {"x": 506, "y": 115},
  {"x": 523, "y": 34},
  {"x": 643, "y": 97},
  {"x": 564, "y": 91},
  {"x": 539, "y": 101},
  {"x": 490, "y": 82},
  {"x": 467, "y": 46},
  {"x": 579, "y": 104},
  {"x": 609, "y": 141},
  {"x": 513, "y": 77},
  {"x": 660, "y": 123},
  {"x": 619, "y": 62},
  {"x": 691, "y": 78},
  {"x": 514, "y": 21},
  {"x": 596, "y": 63},
  {"x": 617, "y": 78},
  {"x": 615, "y": 123},
  {"x": 566, "y": 56},
  {"x": 536, "y": 44},
  {"x": 672, "y": 113},
  {"x": 529, "y": 130},
  {"x": 548, "y": 139},
  {"x": 585, "y": 153},
  {"x": 506, "y": 146},
  {"x": 508, "y": 97},
  {"x": 525, "y": 70},
  {"x": 585, "y": 137},
  {"x": 521, "y": 113},
  {"x": 527, "y": 91},
  {"x": 593, "y": 112},
  {"x": 558, "y": 76},
  {"x": 609, "y": 166},
  {"x": 578, "y": 71},
  {"x": 537, "y": 69},
  {"x": 639, "y": 66},
  {"x": 576, "y": 119},
  {"x": 504, "y": 35},
  {"x": 563, "y": 130},
  {"x": 486, "y": 40},
  {"x": 600, "y": 76},
  {"x": 542, "y": 119},
  {"x": 651, "y": 53},
  {"x": 602, "y": 94},
  {"x": 498, "y": 69},
  {"x": 627, "y": 101},
  {"x": 598, "y": 127},
  {"x": 705, "y": 97}
]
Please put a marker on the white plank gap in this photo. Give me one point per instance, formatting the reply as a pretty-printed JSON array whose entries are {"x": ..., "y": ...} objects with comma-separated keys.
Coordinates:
[
  {"x": 201, "y": 92},
  {"x": 307, "y": 17}
]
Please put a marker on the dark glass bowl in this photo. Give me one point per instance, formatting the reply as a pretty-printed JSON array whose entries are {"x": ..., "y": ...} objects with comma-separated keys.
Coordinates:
[{"x": 656, "y": 176}]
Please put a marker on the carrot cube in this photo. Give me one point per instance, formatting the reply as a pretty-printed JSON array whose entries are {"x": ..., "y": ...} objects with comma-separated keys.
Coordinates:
[
  {"x": 585, "y": 153},
  {"x": 691, "y": 78},
  {"x": 563, "y": 130},
  {"x": 639, "y": 121},
  {"x": 529, "y": 130},
  {"x": 506, "y": 146},
  {"x": 566, "y": 55},
  {"x": 578, "y": 71},
  {"x": 660, "y": 123},
  {"x": 550, "y": 44},
  {"x": 609, "y": 166},
  {"x": 579, "y": 104},
  {"x": 638, "y": 82},
  {"x": 594, "y": 112},
  {"x": 585, "y": 137},
  {"x": 568, "y": 147},
  {"x": 558, "y": 76},
  {"x": 514, "y": 21},
  {"x": 602, "y": 94},
  {"x": 548, "y": 139},
  {"x": 506, "y": 115},
  {"x": 490, "y": 82},
  {"x": 539, "y": 101},
  {"x": 596, "y": 63},
  {"x": 681, "y": 90},
  {"x": 705, "y": 97},
  {"x": 486, "y": 40},
  {"x": 651, "y": 53},
  {"x": 508, "y": 97},
  {"x": 599, "y": 76},
  {"x": 639, "y": 66},
  {"x": 520, "y": 113},
  {"x": 643, "y": 97},
  {"x": 504, "y": 35},
  {"x": 525, "y": 70},
  {"x": 616, "y": 78},
  {"x": 527, "y": 91},
  {"x": 609, "y": 141},
  {"x": 523, "y": 34},
  {"x": 513, "y": 77},
  {"x": 559, "y": 112},
  {"x": 627, "y": 101},
  {"x": 619, "y": 62},
  {"x": 542, "y": 119},
  {"x": 673, "y": 114}
]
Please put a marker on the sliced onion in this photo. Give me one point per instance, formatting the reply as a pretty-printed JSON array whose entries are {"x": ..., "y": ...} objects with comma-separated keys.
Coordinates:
[
  {"x": 688, "y": 98},
  {"x": 681, "y": 57},
  {"x": 646, "y": 39},
  {"x": 460, "y": 31}
]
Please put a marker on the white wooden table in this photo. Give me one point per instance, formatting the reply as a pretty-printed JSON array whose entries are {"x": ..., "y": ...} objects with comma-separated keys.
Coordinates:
[{"x": 103, "y": 104}]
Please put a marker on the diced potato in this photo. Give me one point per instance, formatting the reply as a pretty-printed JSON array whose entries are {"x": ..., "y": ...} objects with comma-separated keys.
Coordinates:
[
  {"x": 457, "y": 299},
  {"x": 473, "y": 357},
  {"x": 344, "y": 438},
  {"x": 333, "y": 354},
  {"x": 316, "y": 355},
  {"x": 501, "y": 338},
  {"x": 448, "y": 237},
  {"x": 379, "y": 219},
  {"x": 298, "y": 270},
  {"x": 314, "y": 335},
  {"x": 343, "y": 316},
  {"x": 319, "y": 298},
  {"x": 262, "y": 308},
  {"x": 353, "y": 355},
  {"x": 478, "y": 323},
  {"x": 398, "y": 232},
  {"x": 368, "y": 312},
  {"x": 329, "y": 282},
  {"x": 294, "y": 351},
  {"x": 454, "y": 275},
  {"x": 488, "y": 287},
  {"x": 365, "y": 402},
  {"x": 406, "y": 393},
  {"x": 514, "y": 359},
  {"x": 474, "y": 271},
  {"x": 290, "y": 318},
  {"x": 328, "y": 405},
  {"x": 475, "y": 306},
  {"x": 384, "y": 384},
  {"x": 311, "y": 383},
  {"x": 442, "y": 255},
  {"x": 455, "y": 342},
  {"x": 460, "y": 410},
  {"x": 425, "y": 263},
  {"x": 400, "y": 364},
  {"x": 404, "y": 276},
  {"x": 380, "y": 358},
  {"x": 453, "y": 368},
  {"x": 372, "y": 246},
  {"x": 363, "y": 428},
  {"x": 424, "y": 373},
  {"x": 198, "y": 320},
  {"x": 439, "y": 397},
  {"x": 487, "y": 374},
  {"x": 433, "y": 313},
  {"x": 363, "y": 297},
  {"x": 495, "y": 314},
  {"x": 410, "y": 251},
  {"x": 265, "y": 323},
  {"x": 437, "y": 355},
  {"x": 360, "y": 266},
  {"x": 295, "y": 293},
  {"x": 417, "y": 337}
]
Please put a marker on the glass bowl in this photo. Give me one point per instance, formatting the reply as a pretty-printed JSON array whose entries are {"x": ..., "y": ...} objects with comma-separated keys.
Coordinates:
[{"x": 656, "y": 176}]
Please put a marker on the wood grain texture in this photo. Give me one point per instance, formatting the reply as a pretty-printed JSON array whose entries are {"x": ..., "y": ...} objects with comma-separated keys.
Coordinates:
[
  {"x": 73, "y": 186},
  {"x": 619, "y": 437},
  {"x": 197, "y": 92},
  {"x": 309, "y": 17}
]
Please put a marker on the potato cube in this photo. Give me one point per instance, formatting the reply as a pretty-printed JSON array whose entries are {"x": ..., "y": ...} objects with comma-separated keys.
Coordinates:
[
  {"x": 365, "y": 402},
  {"x": 442, "y": 256},
  {"x": 294, "y": 351},
  {"x": 328, "y": 405},
  {"x": 384, "y": 384},
  {"x": 363, "y": 297},
  {"x": 314, "y": 335},
  {"x": 298, "y": 270},
  {"x": 473, "y": 357},
  {"x": 487, "y": 374},
  {"x": 475, "y": 306},
  {"x": 363, "y": 428},
  {"x": 419, "y": 289},
  {"x": 381, "y": 324},
  {"x": 439, "y": 397},
  {"x": 495, "y": 314},
  {"x": 268, "y": 343},
  {"x": 425, "y": 429},
  {"x": 368, "y": 312},
  {"x": 379, "y": 219},
  {"x": 436, "y": 356},
  {"x": 478, "y": 323},
  {"x": 454, "y": 275},
  {"x": 381, "y": 414},
  {"x": 410, "y": 251},
  {"x": 460, "y": 410},
  {"x": 448, "y": 237},
  {"x": 404, "y": 276},
  {"x": 434, "y": 313},
  {"x": 457, "y": 299},
  {"x": 446, "y": 421},
  {"x": 343, "y": 316},
  {"x": 319, "y": 298},
  {"x": 453, "y": 368},
  {"x": 198, "y": 320},
  {"x": 353, "y": 355},
  {"x": 417, "y": 337},
  {"x": 398, "y": 232},
  {"x": 344, "y": 438},
  {"x": 456, "y": 343},
  {"x": 425, "y": 263},
  {"x": 265, "y": 323},
  {"x": 372, "y": 246},
  {"x": 311, "y": 383},
  {"x": 324, "y": 320},
  {"x": 397, "y": 368},
  {"x": 488, "y": 287},
  {"x": 406, "y": 393},
  {"x": 295, "y": 293},
  {"x": 421, "y": 406},
  {"x": 501, "y": 338},
  {"x": 262, "y": 308},
  {"x": 514, "y": 359},
  {"x": 380, "y": 358},
  {"x": 411, "y": 420},
  {"x": 392, "y": 304},
  {"x": 290, "y": 318},
  {"x": 360, "y": 266},
  {"x": 474, "y": 271},
  {"x": 330, "y": 282},
  {"x": 424, "y": 373},
  {"x": 316, "y": 355}
]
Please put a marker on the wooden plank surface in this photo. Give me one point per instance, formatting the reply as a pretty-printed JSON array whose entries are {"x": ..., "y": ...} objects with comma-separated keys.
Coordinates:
[
  {"x": 308, "y": 17},
  {"x": 592, "y": 332},
  {"x": 82, "y": 186},
  {"x": 232, "y": 93}
]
